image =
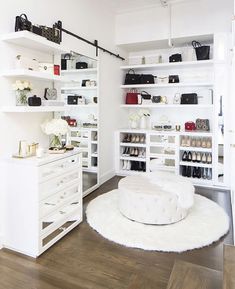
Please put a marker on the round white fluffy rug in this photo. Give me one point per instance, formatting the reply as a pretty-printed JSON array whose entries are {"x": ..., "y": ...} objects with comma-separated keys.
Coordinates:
[{"x": 206, "y": 223}]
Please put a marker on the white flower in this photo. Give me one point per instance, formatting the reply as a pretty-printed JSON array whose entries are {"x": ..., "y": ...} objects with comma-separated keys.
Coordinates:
[
  {"x": 21, "y": 85},
  {"x": 26, "y": 84},
  {"x": 134, "y": 116},
  {"x": 55, "y": 126}
]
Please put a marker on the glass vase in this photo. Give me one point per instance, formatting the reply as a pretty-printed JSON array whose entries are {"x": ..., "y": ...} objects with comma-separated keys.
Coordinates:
[
  {"x": 56, "y": 141},
  {"x": 21, "y": 97}
]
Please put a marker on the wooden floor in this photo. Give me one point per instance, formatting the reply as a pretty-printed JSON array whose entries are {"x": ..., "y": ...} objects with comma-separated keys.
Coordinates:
[{"x": 84, "y": 259}]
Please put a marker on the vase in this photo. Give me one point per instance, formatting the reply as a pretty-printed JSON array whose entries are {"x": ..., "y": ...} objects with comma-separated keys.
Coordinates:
[
  {"x": 133, "y": 124},
  {"x": 21, "y": 97},
  {"x": 143, "y": 122},
  {"x": 56, "y": 141}
]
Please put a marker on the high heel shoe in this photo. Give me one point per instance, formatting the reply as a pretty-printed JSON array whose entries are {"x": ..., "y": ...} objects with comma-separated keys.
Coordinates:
[
  {"x": 188, "y": 142},
  {"x": 198, "y": 142},
  {"x": 142, "y": 139},
  {"x": 199, "y": 159},
  {"x": 184, "y": 171},
  {"x": 128, "y": 165},
  {"x": 204, "y": 158},
  {"x": 209, "y": 143},
  {"x": 209, "y": 159},
  {"x": 137, "y": 139},
  {"x": 189, "y": 157},
  {"x": 199, "y": 173},
  {"x": 133, "y": 138},
  {"x": 136, "y": 154},
  {"x": 124, "y": 167},
  {"x": 203, "y": 143},
  {"x": 193, "y": 143},
  {"x": 132, "y": 152},
  {"x": 184, "y": 157},
  {"x": 124, "y": 152},
  {"x": 189, "y": 172},
  {"x": 194, "y": 175},
  {"x": 128, "y": 139},
  {"x": 183, "y": 141},
  {"x": 209, "y": 174},
  {"x": 194, "y": 157},
  {"x": 204, "y": 173}
]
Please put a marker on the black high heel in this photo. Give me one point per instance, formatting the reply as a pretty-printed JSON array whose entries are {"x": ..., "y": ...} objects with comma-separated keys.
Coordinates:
[
  {"x": 189, "y": 172},
  {"x": 184, "y": 171},
  {"x": 185, "y": 157},
  {"x": 194, "y": 172}
]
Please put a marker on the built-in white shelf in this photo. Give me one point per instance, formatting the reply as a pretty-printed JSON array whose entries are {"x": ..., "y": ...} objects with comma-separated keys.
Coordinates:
[
  {"x": 81, "y": 106},
  {"x": 90, "y": 170},
  {"x": 196, "y": 149},
  {"x": 163, "y": 106},
  {"x": 79, "y": 88},
  {"x": 169, "y": 85},
  {"x": 162, "y": 144},
  {"x": 35, "y": 42},
  {"x": 31, "y": 74},
  {"x": 79, "y": 71},
  {"x": 95, "y": 142},
  {"x": 188, "y": 64},
  {"x": 77, "y": 128},
  {"x": 196, "y": 133},
  {"x": 192, "y": 164},
  {"x": 166, "y": 156},
  {"x": 129, "y": 173},
  {"x": 31, "y": 108},
  {"x": 129, "y": 144},
  {"x": 138, "y": 159}
]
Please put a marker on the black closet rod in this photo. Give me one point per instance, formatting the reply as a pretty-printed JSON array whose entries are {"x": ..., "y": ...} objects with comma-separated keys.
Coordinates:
[{"x": 95, "y": 43}]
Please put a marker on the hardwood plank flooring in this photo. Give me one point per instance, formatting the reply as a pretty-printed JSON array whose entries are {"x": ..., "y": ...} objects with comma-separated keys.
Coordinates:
[
  {"x": 186, "y": 275},
  {"x": 229, "y": 268},
  {"x": 84, "y": 259}
]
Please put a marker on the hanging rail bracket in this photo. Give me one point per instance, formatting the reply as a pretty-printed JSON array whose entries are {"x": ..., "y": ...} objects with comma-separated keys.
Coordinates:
[{"x": 58, "y": 25}]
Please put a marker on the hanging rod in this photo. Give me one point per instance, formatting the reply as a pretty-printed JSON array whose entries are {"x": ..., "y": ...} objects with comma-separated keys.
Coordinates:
[{"x": 58, "y": 25}]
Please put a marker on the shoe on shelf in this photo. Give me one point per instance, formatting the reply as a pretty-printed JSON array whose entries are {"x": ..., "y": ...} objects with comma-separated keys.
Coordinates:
[
  {"x": 204, "y": 143},
  {"x": 194, "y": 157},
  {"x": 209, "y": 159},
  {"x": 124, "y": 167},
  {"x": 194, "y": 175},
  {"x": 198, "y": 142},
  {"x": 204, "y": 173},
  {"x": 136, "y": 154},
  {"x": 124, "y": 153},
  {"x": 199, "y": 158},
  {"x": 128, "y": 139},
  {"x": 189, "y": 157},
  {"x": 199, "y": 173},
  {"x": 204, "y": 158},
  {"x": 185, "y": 156},
  {"x": 209, "y": 174},
  {"x": 189, "y": 172},
  {"x": 193, "y": 143},
  {"x": 188, "y": 141},
  {"x": 209, "y": 143},
  {"x": 142, "y": 139},
  {"x": 132, "y": 152},
  {"x": 137, "y": 140},
  {"x": 128, "y": 165},
  {"x": 183, "y": 141},
  {"x": 184, "y": 171}
]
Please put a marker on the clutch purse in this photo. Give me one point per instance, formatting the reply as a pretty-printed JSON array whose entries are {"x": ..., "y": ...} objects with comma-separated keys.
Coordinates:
[
  {"x": 81, "y": 65},
  {"x": 175, "y": 58},
  {"x": 132, "y": 98},
  {"x": 174, "y": 79},
  {"x": 189, "y": 98},
  {"x": 156, "y": 99},
  {"x": 190, "y": 126},
  {"x": 203, "y": 124},
  {"x": 72, "y": 99},
  {"x": 34, "y": 101},
  {"x": 50, "y": 94},
  {"x": 147, "y": 79}
]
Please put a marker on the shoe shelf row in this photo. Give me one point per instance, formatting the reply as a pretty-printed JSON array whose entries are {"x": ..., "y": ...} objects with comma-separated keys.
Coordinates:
[{"x": 178, "y": 152}]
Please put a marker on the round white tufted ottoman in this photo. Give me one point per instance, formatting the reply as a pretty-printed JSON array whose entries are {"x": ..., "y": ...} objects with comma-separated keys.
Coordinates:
[{"x": 155, "y": 198}]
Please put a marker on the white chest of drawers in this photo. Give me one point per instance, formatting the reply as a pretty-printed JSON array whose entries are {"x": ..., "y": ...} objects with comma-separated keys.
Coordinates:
[{"x": 42, "y": 201}]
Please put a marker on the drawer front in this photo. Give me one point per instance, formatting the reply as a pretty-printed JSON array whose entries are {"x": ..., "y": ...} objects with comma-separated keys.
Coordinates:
[
  {"x": 53, "y": 221},
  {"x": 57, "y": 168},
  {"x": 60, "y": 183},
  {"x": 58, "y": 200}
]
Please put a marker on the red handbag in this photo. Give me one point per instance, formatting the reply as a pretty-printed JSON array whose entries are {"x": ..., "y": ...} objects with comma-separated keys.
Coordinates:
[
  {"x": 132, "y": 98},
  {"x": 190, "y": 125}
]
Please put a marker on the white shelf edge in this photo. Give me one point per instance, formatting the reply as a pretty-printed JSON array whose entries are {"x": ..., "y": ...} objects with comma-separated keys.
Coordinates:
[
  {"x": 192, "y": 164},
  {"x": 78, "y": 71},
  {"x": 196, "y": 149},
  {"x": 133, "y": 159},
  {"x": 166, "y": 156},
  {"x": 162, "y": 106},
  {"x": 168, "y": 64},
  {"x": 79, "y": 88},
  {"x": 169, "y": 85},
  {"x": 8, "y": 109},
  {"x": 128, "y": 144},
  {"x": 67, "y": 106}
]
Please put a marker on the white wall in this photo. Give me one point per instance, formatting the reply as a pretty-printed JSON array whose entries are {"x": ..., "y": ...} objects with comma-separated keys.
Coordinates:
[
  {"x": 189, "y": 18},
  {"x": 92, "y": 20}
]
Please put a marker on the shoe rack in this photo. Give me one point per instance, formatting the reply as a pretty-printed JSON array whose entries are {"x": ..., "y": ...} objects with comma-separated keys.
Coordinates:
[{"x": 186, "y": 154}]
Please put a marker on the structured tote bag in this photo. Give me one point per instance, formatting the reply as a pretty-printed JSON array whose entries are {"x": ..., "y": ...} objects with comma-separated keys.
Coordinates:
[
  {"x": 202, "y": 51},
  {"x": 189, "y": 98},
  {"x": 132, "y": 77},
  {"x": 132, "y": 97}
]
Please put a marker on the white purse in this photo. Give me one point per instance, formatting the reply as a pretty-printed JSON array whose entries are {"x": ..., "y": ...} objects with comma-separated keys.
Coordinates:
[{"x": 24, "y": 62}]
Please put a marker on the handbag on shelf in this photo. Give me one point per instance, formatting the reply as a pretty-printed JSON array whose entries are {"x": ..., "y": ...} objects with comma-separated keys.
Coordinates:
[
  {"x": 72, "y": 99},
  {"x": 34, "y": 101},
  {"x": 147, "y": 79},
  {"x": 81, "y": 65},
  {"x": 51, "y": 34},
  {"x": 202, "y": 51},
  {"x": 190, "y": 126},
  {"x": 50, "y": 94},
  {"x": 174, "y": 79},
  {"x": 175, "y": 58},
  {"x": 132, "y": 78},
  {"x": 189, "y": 98},
  {"x": 132, "y": 97},
  {"x": 156, "y": 99},
  {"x": 202, "y": 124},
  {"x": 22, "y": 23},
  {"x": 146, "y": 97}
]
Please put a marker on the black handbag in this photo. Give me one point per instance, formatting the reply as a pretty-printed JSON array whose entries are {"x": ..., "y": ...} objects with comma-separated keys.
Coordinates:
[
  {"x": 67, "y": 56},
  {"x": 132, "y": 78},
  {"x": 147, "y": 79},
  {"x": 175, "y": 58},
  {"x": 189, "y": 98},
  {"x": 34, "y": 101},
  {"x": 145, "y": 95},
  {"x": 22, "y": 23},
  {"x": 174, "y": 79},
  {"x": 72, "y": 99},
  {"x": 202, "y": 124},
  {"x": 51, "y": 34},
  {"x": 202, "y": 51},
  {"x": 81, "y": 65},
  {"x": 156, "y": 99}
]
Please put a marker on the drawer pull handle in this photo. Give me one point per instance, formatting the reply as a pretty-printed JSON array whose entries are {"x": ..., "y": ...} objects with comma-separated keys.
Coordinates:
[
  {"x": 50, "y": 204},
  {"x": 62, "y": 212}
]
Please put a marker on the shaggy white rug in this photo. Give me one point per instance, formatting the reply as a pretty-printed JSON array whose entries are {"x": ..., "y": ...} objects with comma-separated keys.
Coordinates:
[{"x": 206, "y": 223}]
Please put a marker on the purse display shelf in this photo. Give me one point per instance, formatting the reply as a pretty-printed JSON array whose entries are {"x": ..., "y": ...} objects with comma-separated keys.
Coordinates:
[
  {"x": 31, "y": 74},
  {"x": 191, "y": 164},
  {"x": 35, "y": 42},
  {"x": 68, "y": 106},
  {"x": 79, "y": 88},
  {"x": 9, "y": 109},
  {"x": 133, "y": 159},
  {"x": 168, "y": 65},
  {"x": 163, "y": 106},
  {"x": 168, "y": 85},
  {"x": 79, "y": 71}
]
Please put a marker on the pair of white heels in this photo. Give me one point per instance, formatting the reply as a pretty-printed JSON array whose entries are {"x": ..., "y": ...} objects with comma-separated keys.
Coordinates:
[{"x": 126, "y": 165}]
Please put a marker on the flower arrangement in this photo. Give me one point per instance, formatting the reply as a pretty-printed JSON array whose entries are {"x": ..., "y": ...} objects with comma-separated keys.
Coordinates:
[
  {"x": 22, "y": 88},
  {"x": 134, "y": 116},
  {"x": 55, "y": 128}
]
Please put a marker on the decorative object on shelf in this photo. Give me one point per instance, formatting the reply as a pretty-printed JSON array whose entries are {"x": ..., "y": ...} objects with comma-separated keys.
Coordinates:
[
  {"x": 177, "y": 127},
  {"x": 34, "y": 101},
  {"x": 26, "y": 150},
  {"x": 174, "y": 79},
  {"x": 81, "y": 65},
  {"x": 146, "y": 97},
  {"x": 56, "y": 69},
  {"x": 189, "y": 98},
  {"x": 177, "y": 98},
  {"x": 147, "y": 79},
  {"x": 133, "y": 120},
  {"x": 163, "y": 99},
  {"x": 175, "y": 58},
  {"x": 22, "y": 88},
  {"x": 46, "y": 67},
  {"x": 72, "y": 122},
  {"x": 203, "y": 124},
  {"x": 95, "y": 99},
  {"x": 202, "y": 51},
  {"x": 132, "y": 78},
  {"x": 190, "y": 126},
  {"x": 64, "y": 60},
  {"x": 24, "y": 62},
  {"x": 144, "y": 118},
  {"x": 55, "y": 128},
  {"x": 50, "y": 94},
  {"x": 132, "y": 97},
  {"x": 164, "y": 124},
  {"x": 81, "y": 100},
  {"x": 93, "y": 83}
]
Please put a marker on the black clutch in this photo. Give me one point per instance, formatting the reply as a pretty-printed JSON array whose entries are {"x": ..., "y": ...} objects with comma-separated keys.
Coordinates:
[
  {"x": 51, "y": 34},
  {"x": 202, "y": 51},
  {"x": 156, "y": 99},
  {"x": 72, "y": 99},
  {"x": 145, "y": 95},
  {"x": 174, "y": 79},
  {"x": 175, "y": 58},
  {"x": 22, "y": 23},
  {"x": 147, "y": 79},
  {"x": 81, "y": 65},
  {"x": 34, "y": 101},
  {"x": 189, "y": 98},
  {"x": 132, "y": 78}
]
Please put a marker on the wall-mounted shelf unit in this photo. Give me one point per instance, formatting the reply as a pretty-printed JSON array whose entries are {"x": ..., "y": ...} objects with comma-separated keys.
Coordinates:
[
  {"x": 73, "y": 88},
  {"x": 9, "y": 109},
  {"x": 165, "y": 106},
  {"x": 168, "y": 85},
  {"x": 79, "y": 71}
]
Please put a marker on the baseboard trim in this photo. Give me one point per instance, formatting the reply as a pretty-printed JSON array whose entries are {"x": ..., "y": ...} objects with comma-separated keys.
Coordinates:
[{"x": 106, "y": 176}]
